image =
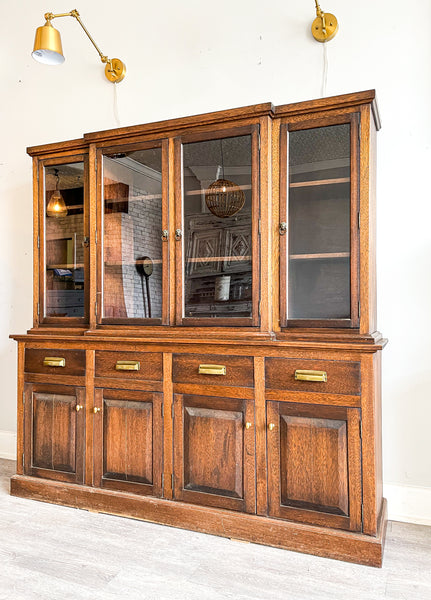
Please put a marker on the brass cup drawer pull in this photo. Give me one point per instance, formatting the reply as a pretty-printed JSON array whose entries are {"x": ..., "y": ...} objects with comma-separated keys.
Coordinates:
[
  {"x": 304, "y": 375},
  {"x": 54, "y": 361},
  {"x": 212, "y": 369},
  {"x": 128, "y": 365}
]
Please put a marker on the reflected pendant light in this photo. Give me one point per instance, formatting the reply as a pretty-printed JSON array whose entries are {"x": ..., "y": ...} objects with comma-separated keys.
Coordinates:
[
  {"x": 223, "y": 197},
  {"x": 56, "y": 205}
]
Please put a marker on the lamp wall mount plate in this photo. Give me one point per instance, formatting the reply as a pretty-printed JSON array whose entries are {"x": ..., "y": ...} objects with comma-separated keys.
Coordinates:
[
  {"x": 325, "y": 25},
  {"x": 48, "y": 49}
]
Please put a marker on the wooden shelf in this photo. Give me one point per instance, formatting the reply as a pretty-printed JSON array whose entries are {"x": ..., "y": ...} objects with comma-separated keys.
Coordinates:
[
  {"x": 300, "y": 184},
  {"x": 323, "y": 255},
  {"x": 71, "y": 267}
]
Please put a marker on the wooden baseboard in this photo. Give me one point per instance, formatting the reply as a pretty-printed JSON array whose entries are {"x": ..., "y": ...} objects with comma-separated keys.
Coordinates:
[{"x": 329, "y": 543}]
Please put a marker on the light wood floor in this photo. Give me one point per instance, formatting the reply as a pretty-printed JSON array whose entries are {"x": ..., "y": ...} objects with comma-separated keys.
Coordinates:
[{"x": 57, "y": 553}]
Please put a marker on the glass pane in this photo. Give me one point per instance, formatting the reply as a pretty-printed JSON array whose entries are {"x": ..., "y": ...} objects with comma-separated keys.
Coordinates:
[
  {"x": 217, "y": 228},
  {"x": 64, "y": 240},
  {"x": 319, "y": 223},
  {"x": 132, "y": 245}
]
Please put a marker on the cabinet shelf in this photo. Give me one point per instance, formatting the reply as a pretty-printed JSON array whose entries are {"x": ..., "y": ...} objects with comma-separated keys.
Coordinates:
[
  {"x": 300, "y": 184},
  {"x": 323, "y": 255},
  {"x": 71, "y": 267}
]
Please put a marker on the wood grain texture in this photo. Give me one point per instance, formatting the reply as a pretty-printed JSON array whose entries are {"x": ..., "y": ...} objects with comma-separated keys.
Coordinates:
[
  {"x": 326, "y": 542},
  {"x": 74, "y": 361},
  {"x": 343, "y": 377},
  {"x": 150, "y": 363},
  {"x": 239, "y": 369}
]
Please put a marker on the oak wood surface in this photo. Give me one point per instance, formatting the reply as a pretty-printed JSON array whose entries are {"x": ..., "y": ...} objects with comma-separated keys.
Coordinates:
[
  {"x": 239, "y": 369},
  {"x": 323, "y": 541},
  {"x": 150, "y": 365},
  {"x": 74, "y": 361},
  {"x": 342, "y": 377}
]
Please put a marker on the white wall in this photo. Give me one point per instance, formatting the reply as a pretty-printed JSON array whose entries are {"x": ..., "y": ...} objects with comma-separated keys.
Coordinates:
[{"x": 190, "y": 57}]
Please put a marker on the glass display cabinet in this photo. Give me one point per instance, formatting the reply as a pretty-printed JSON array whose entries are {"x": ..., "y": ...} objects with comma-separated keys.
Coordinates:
[{"x": 204, "y": 350}]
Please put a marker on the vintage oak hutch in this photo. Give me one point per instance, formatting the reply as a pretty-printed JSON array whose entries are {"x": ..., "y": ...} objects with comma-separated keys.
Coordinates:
[{"x": 204, "y": 351}]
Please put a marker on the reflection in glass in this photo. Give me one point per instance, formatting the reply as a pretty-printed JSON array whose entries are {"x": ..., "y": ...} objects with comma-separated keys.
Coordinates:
[
  {"x": 132, "y": 246},
  {"x": 218, "y": 268},
  {"x": 319, "y": 223},
  {"x": 64, "y": 240}
]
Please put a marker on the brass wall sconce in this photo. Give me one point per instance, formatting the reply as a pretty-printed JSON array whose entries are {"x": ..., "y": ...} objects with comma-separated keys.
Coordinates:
[
  {"x": 48, "y": 50},
  {"x": 324, "y": 26}
]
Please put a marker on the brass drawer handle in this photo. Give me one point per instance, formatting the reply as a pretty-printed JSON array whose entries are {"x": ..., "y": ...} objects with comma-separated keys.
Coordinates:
[
  {"x": 304, "y": 375},
  {"x": 128, "y": 365},
  {"x": 212, "y": 369},
  {"x": 54, "y": 361}
]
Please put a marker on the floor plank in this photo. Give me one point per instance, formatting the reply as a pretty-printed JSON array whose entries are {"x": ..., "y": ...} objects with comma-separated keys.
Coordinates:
[{"x": 49, "y": 552}]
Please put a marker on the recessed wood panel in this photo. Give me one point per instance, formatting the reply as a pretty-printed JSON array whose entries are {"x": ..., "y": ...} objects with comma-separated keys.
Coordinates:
[
  {"x": 129, "y": 439},
  {"x": 342, "y": 377},
  {"x": 214, "y": 452},
  {"x": 54, "y": 430},
  {"x": 239, "y": 369},
  {"x": 314, "y": 464}
]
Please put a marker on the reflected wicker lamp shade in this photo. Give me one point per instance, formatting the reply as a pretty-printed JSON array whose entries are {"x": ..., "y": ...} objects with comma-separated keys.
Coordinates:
[{"x": 224, "y": 198}]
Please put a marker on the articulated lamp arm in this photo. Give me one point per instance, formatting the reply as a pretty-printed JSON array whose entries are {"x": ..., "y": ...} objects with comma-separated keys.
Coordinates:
[{"x": 115, "y": 69}]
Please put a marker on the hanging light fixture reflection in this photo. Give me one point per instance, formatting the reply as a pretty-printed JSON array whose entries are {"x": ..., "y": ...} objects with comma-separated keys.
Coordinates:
[
  {"x": 56, "y": 205},
  {"x": 223, "y": 197}
]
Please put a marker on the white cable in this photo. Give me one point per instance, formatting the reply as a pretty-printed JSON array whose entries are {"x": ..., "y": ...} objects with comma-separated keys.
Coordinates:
[
  {"x": 116, "y": 113},
  {"x": 325, "y": 70}
]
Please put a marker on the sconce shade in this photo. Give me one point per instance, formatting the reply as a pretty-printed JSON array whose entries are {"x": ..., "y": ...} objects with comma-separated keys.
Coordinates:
[
  {"x": 56, "y": 205},
  {"x": 47, "y": 45}
]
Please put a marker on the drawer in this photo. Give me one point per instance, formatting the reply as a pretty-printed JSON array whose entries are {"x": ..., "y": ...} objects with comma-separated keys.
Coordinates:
[
  {"x": 130, "y": 365},
  {"x": 238, "y": 369},
  {"x": 63, "y": 362},
  {"x": 342, "y": 377}
]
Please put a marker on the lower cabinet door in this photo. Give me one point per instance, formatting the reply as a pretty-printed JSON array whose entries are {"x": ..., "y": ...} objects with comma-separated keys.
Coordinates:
[
  {"x": 54, "y": 423},
  {"x": 214, "y": 452},
  {"x": 314, "y": 464},
  {"x": 128, "y": 441}
]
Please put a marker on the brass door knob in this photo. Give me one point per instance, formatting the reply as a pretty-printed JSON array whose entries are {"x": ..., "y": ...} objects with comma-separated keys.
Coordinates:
[
  {"x": 96, "y": 410},
  {"x": 248, "y": 425},
  {"x": 78, "y": 407},
  {"x": 271, "y": 426}
]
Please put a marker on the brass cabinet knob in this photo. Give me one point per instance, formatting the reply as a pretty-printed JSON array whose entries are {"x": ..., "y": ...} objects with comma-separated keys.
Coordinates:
[
  {"x": 78, "y": 407},
  {"x": 96, "y": 410},
  {"x": 178, "y": 234},
  {"x": 271, "y": 426},
  {"x": 248, "y": 425}
]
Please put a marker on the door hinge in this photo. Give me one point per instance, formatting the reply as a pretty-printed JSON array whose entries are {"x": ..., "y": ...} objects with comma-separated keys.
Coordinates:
[
  {"x": 172, "y": 411},
  {"x": 259, "y": 307},
  {"x": 38, "y": 309},
  {"x": 23, "y": 397},
  {"x": 163, "y": 480},
  {"x": 360, "y": 429},
  {"x": 359, "y": 310},
  {"x": 23, "y": 460},
  {"x": 172, "y": 481},
  {"x": 163, "y": 412},
  {"x": 359, "y": 220},
  {"x": 259, "y": 226},
  {"x": 95, "y": 237},
  {"x": 95, "y": 307},
  {"x": 258, "y": 139},
  {"x": 38, "y": 242}
]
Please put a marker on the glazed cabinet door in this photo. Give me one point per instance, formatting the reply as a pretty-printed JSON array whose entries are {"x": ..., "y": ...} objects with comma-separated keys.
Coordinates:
[
  {"x": 54, "y": 432},
  {"x": 214, "y": 452},
  {"x": 128, "y": 441},
  {"x": 314, "y": 464},
  {"x": 319, "y": 222},
  {"x": 217, "y": 227},
  {"x": 63, "y": 242}
]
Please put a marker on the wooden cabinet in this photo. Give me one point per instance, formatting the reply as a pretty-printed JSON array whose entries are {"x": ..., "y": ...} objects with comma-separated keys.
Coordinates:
[
  {"x": 128, "y": 441},
  {"x": 314, "y": 464},
  {"x": 205, "y": 291},
  {"x": 54, "y": 431},
  {"x": 214, "y": 452}
]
